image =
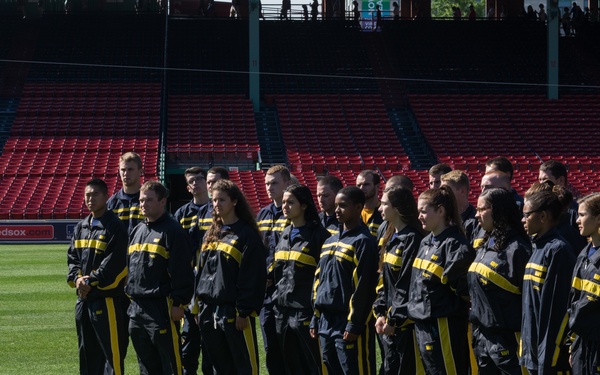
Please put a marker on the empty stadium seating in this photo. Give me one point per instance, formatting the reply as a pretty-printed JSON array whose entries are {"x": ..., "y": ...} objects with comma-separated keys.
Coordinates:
[
  {"x": 94, "y": 90},
  {"x": 65, "y": 134}
]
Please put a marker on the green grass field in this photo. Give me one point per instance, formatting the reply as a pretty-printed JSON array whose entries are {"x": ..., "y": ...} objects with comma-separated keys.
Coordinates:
[{"x": 37, "y": 324}]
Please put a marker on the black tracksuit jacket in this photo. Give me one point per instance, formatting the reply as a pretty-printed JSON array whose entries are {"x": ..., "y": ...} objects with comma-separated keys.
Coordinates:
[
  {"x": 100, "y": 252},
  {"x": 439, "y": 276},
  {"x": 160, "y": 262},
  {"x": 232, "y": 270},
  {"x": 295, "y": 265},
  {"x": 395, "y": 277}
]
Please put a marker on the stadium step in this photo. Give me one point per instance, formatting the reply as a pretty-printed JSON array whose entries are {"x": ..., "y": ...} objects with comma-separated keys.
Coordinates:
[
  {"x": 272, "y": 149},
  {"x": 8, "y": 108},
  {"x": 407, "y": 130}
]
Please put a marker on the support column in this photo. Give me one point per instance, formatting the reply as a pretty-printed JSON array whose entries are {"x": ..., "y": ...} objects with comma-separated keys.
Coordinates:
[
  {"x": 254, "y": 54},
  {"x": 553, "y": 30}
]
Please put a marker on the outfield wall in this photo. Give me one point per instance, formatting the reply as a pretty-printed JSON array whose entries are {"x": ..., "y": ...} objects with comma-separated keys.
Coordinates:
[{"x": 36, "y": 231}]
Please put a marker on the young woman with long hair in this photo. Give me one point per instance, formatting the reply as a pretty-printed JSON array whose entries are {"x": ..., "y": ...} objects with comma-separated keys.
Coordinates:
[
  {"x": 231, "y": 282},
  {"x": 296, "y": 258},
  {"x": 584, "y": 306},
  {"x": 495, "y": 282},
  {"x": 398, "y": 248},
  {"x": 438, "y": 293}
]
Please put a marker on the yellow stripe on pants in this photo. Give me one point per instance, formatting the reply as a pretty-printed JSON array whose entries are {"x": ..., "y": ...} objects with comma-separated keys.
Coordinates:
[
  {"x": 249, "y": 338},
  {"x": 472, "y": 358},
  {"x": 446, "y": 345},
  {"x": 114, "y": 335}
]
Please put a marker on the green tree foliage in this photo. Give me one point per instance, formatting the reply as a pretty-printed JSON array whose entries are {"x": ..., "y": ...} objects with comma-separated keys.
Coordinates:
[{"x": 443, "y": 8}]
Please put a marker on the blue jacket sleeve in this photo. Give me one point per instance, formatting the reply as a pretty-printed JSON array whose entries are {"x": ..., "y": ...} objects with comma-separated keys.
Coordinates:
[{"x": 365, "y": 281}]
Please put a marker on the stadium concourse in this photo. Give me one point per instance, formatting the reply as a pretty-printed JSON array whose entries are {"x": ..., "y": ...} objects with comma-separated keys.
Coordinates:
[{"x": 78, "y": 90}]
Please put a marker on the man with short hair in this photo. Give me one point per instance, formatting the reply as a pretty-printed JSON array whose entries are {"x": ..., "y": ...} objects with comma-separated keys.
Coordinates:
[
  {"x": 502, "y": 164},
  {"x": 556, "y": 172},
  {"x": 271, "y": 224},
  {"x": 126, "y": 202},
  {"x": 327, "y": 189},
  {"x": 97, "y": 260},
  {"x": 215, "y": 174},
  {"x": 368, "y": 182},
  {"x": 400, "y": 180},
  {"x": 190, "y": 217},
  {"x": 435, "y": 174},
  {"x": 458, "y": 181},
  {"x": 160, "y": 283}
]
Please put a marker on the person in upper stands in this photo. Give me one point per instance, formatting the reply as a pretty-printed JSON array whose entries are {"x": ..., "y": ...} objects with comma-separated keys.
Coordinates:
[
  {"x": 344, "y": 291},
  {"x": 584, "y": 306},
  {"x": 435, "y": 175},
  {"x": 314, "y": 10},
  {"x": 438, "y": 293},
  {"x": 472, "y": 13},
  {"x": 546, "y": 286},
  {"x": 368, "y": 182},
  {"x": 355, "y": 11},
  {"x": 577, "y": 18},
  {"x": 296, "y": 259},
  {"x": 456, "y": 13},
  {"x": 190, "y": 217},
  {"x": 396, "y": 11},
  {"x": 495, "y": 282},
  {"x": 502, "y": 164},
  {"x": 271, "y": 224},
  {"x": 556, "y": 172},
  {"x": 458, "y": 181},
  {"x": 126, "y": 202},
  {"x": 305, "y": 12},
  {"x": 530, "y": 15},
  {"x": 378, "y": 17},
  {"x": 566, "y": 21},
  {"x": 286, "y": 6},
  {"x": 542, "y": 16},
  {"x": 327, "y": 189},
  {"x": 564, "y": 227},
  {"x": 234, "y": 11},
  {"x": 398, "y": 248}
]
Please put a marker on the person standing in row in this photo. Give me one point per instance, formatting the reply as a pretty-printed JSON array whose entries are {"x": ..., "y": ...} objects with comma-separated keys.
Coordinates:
[
  {"x": 97, "y": 260},
  {"x": 160, "y": 284},
  {"x": 438, "y": 294},
  {"x": 296, "y": 260},
  {"x": 584, "y": 307},
  {"x": 546, "y": 286},
  {"x": 495, "y": 283},
  {"x": 271, "y": 224},
  {"x": 368, "y": 181},
  {"x": 190, "y": 217},
  {"x": 126, "y": 202},
  {"x": 344, "y": 291},
  {"x": 230, "y": 283},
  {"x": 327, "y": 189},
  {"x": 399, "y": 245}
]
